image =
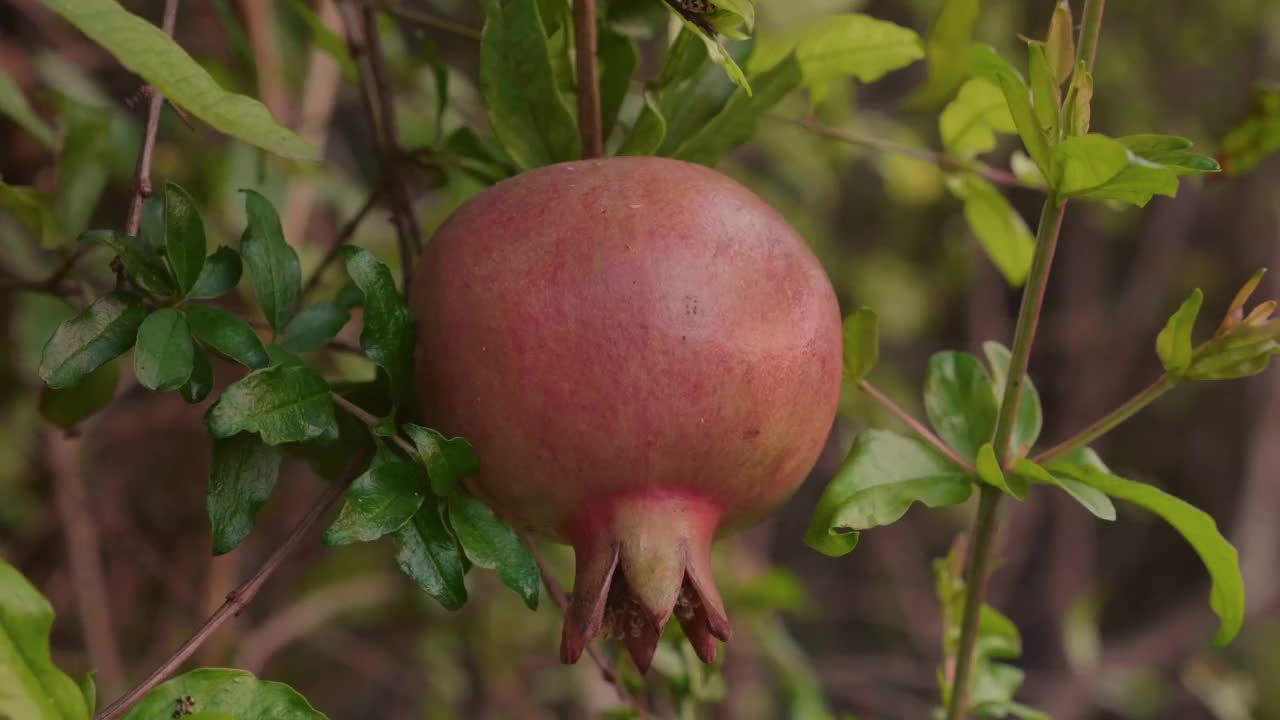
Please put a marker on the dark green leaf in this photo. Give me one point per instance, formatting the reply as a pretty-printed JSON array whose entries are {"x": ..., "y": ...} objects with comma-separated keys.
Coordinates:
[
  {"x": 1093, "y": 500},
  {"x": 148, "y": 51},
  {"x": 449, "y": 461},
  {"x": 228, "y": 335},
  {"x": 282, "y": 403},
  {"x": 103, "y": 331},
  {"x": 618, "y": 60},
  {"x": 861, "y": 344},
  {"x": 201, "y": 380},
  {"x": 1003, "y": 233},
  {"x": 736, "y": 122},
  {"x": 527, "y": 111},
  {"x": 884, "y": 474},
  {"x": 221, "y": 693},
  {"x": 219, "y": 276},
  {"x": 689, "y": 90},
  {"x": 1026, "y": 428},
  {"x": 143, "y": 264},
  {"x": 242, "y": 476},
  {"x": 314, "y": 326},
  {"x": 184, "y": 239},
  {"x": 164, "y": 356},
  {"x": 387, "y": 337},
  {"x": 490, "y": 543},
  {"x": 988, "y": 64},
  {"x": 273, "y": 264},
  {"x": 1220, "y": 558},
  {"x": 14, "y": 105},
  {"x": 1173, "y": 344},
  {"x": 151, "y": 231},
  {"x": 34, "y": 688},
  {"x": 379, "y": 502},
  {"x": 66, "y": 407},
  {"x": 960, "y": 400},
  {"x": 969, "y": 123},
  {"x": 988, "y": 467},
  {"x": 428, "y": 553}
]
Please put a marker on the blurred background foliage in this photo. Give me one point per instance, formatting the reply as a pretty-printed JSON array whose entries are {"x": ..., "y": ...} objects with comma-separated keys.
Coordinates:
[{"x": 1113, "y": 616}]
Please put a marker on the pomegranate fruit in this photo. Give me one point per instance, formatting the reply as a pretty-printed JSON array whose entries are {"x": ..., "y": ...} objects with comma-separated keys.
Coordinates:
[{"x": 644, "y": 354}]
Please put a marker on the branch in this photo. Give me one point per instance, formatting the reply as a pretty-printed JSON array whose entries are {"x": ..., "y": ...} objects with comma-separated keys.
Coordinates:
[
  {"x": 417, "y": 17},
  {"x": 237, "y": 599},
  {"x": 585, "y": 46},
  {"x": 366, "y": 48},
  {"x": 1105, "y": 424},
  {"x": 942, "y": 160},
  {"x": 1090, "y": 29},
  {"x": 142, "y": 187},
  {"x": 916, "y": 426},
  {"x": 84, "y": 559}
]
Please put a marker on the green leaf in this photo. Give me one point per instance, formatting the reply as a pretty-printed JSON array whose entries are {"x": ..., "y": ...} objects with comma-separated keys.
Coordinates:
[
  {"x": 146, "y": 50},
  {"x": 428, "y": 553},
  {"x": 314, "y": 326},
  {"x": 649, "y": 131},
  {"x": 947, "y": 50},
  {"x": 14, "y": 105},
  {"x": 619, "y": 58},
  {"x": 527, "y": 111},
  {"x": 201, "y": 380},
  {"x": 736, "y": 123},
  {"x": 326, "y": 39},
  {"x": 387, "y": 337},
  {"x": 960, "y": 400},
  {"x": 164, "y": 356},
  {"x": 1256, "y": 137},
  {"x": 273, "y": 264},
  {"x": 242, "y": 476},
  {"x": 282, "y": 403},
  {"x": 1170, "y": 151},
  {"x": 1173, "y": 344},
  {"x": 101, "y": 332},
  {"x": 379, "y": 502},
  {"x": 1097, "y": 167},
  {"x": 884, "y": 474},
  {"x": 968, "y": 123},
  {"x": 228, "y": 335},
  {"x": 1077, "y": 109},
  {"x": 999, "y": 228},
  {"x": 219, "y": 693},
  {"x": 1227, "y": 594},
  {"x": 184, "y": 238},
  {"x": 219, "y": 276},
  {"x": 490, "y": 543},
  {"x": 988, "y": 467},
  {"x": 142, "y": 263},
  {"x": 855, "y": 45},
  {"x": 988, "y": 64},
  {"x": 717, "y": 53},
  {"x": 33, "y": 208},
  {"x": 1030, "y": 420},
  {"x": 34, "y": 688},
  {"x": 89, "y": 690},
  {"x": 861, "y": 344},
  {"x": 67, "y": 406},
  {"x": 1060, "y": 43},
  {"x": 449, "y": 461},
  {"x": 1046, "y": 96},
  {"x": 1093, "y": 500},
  {"x": 151, "y": 231}
]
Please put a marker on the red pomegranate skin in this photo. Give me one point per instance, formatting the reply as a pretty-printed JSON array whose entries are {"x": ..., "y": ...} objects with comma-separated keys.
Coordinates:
[{"x": 644, "y": 355}]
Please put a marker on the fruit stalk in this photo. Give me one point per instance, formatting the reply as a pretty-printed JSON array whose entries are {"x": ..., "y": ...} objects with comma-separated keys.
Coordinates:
[{"x": 585, "y": 42}]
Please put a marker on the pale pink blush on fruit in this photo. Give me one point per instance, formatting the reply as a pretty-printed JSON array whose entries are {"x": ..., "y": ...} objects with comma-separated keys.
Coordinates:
[{"x": 644, "y": 355}]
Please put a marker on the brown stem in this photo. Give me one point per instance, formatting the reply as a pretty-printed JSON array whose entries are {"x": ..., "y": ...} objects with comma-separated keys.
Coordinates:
[
  {"x": 585, "y": 43},
  {"x": 366, "y": 47},
  {"x": 916, "y": 426},
  {"x": 142, "y": 186},
  {"x": 237, "y": 600},
  {"x": 417, "y": 17},
  {"x": 84, "y": 559}
]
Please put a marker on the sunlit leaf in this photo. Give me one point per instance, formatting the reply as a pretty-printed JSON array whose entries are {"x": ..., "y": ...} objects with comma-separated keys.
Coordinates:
[
  {"x": 999, "y": 228},
  {"x": 1173, "y": 344},
  {"x": 861, "y": 343},
  {"x": 220, "y": 693},
  {"x": 33, "y": 687},
  {"x": 969, "y": 123}
]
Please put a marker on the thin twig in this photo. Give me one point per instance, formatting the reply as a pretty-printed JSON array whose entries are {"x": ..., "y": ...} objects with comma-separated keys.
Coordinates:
[
  {"x": 371, "y": 420},
  {"x": 84, "y": 558},
  {"x": 344, "y": 234},
  {"x": 1109, "y": 421},
  {"x": 366, "y": 47},
  {"x": 417, "y": 17},
  {"x": 943, "y": 161},
  {"x": 142, "y": 185},
  {"x": 585, "y": 46},
  {"x": 916, "y": 426},
  {"x": 237, "y": 599}
]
